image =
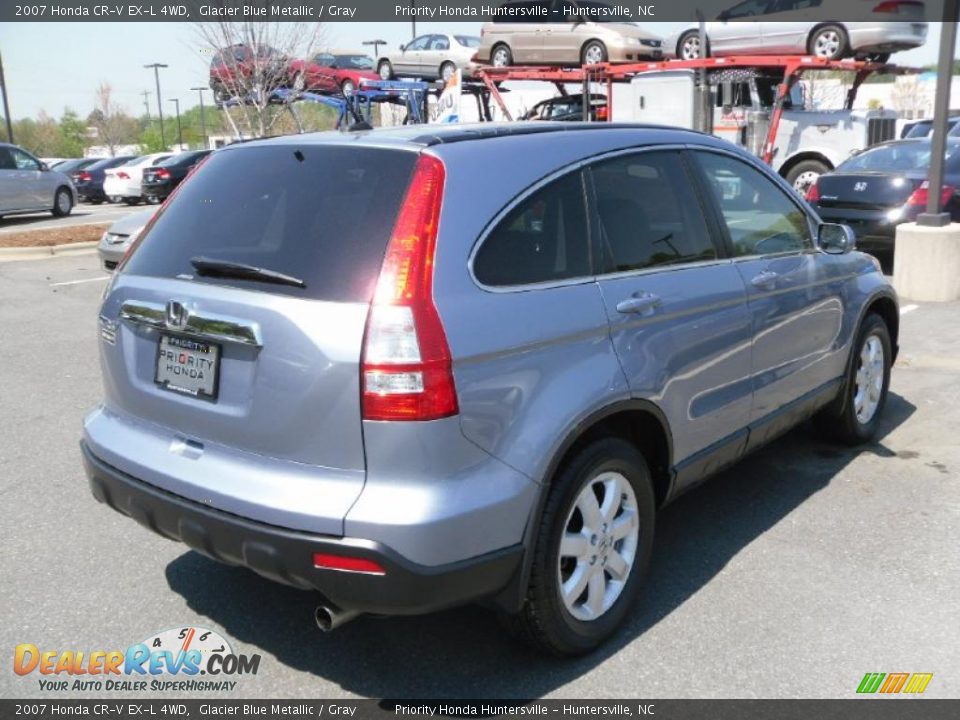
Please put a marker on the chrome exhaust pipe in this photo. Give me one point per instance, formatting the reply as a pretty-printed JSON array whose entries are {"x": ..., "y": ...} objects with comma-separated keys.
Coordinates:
[{"x": 330, "y": 617}]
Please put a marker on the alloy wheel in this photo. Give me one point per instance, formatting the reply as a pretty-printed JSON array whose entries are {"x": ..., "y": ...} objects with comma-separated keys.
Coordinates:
[
  {"x": 869, "y": 380},
  {"x": 599, "y": 546}
]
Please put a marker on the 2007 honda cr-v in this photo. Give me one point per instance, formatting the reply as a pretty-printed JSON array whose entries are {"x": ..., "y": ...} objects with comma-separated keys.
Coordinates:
[{"x": 418, "y": 367}]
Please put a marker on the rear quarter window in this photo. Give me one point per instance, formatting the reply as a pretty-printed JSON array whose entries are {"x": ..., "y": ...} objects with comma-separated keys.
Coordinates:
[{"x": 319, "y": 213}]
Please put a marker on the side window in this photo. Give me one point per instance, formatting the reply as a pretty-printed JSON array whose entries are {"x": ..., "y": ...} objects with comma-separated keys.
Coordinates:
[
  {"x": 759, "y": 216},
  {"x": 749, "y": 8},
  {"x": 543, "y": 239},
  {"x": 24, "y": 161},
  {"x": 6, "y": 159},
  {"x": 648, "y": 217},
  {"x": 440, "y": 42},
  {"x": 420, "y": 43}
]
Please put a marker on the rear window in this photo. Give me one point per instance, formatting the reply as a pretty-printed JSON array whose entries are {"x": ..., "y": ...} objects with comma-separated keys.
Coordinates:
[
  {"x": 894, "y": 157},
  {"x": 322, "y": 214}
]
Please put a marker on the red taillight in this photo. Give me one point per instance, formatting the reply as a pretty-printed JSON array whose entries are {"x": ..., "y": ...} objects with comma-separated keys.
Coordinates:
[
  {"x": 122, "y": 175},
  {"x": 163, "y": 174},
  {"x": 921, "y": 195},
  {"x": 890, "y": 6},
  {"x": 406, "y": 368},
  {"x": 84, "y": 177},
  {"x": 603, "y": 113},
  {"x": 813, "y": 192},
  {"x": 326, "y": 561}
]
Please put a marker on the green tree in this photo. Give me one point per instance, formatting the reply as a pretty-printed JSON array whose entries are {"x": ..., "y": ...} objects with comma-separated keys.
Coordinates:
[{"x": 73, "y": 135}]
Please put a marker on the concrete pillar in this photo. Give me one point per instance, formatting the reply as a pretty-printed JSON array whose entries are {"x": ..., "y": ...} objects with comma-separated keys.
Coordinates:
[{"x": 926, "y": 262}]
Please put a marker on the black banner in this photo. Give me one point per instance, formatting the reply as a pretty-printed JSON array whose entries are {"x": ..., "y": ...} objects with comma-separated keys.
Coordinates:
[
  {"x": 854, "y": 709},
  {"x": 525, "y": 11}
]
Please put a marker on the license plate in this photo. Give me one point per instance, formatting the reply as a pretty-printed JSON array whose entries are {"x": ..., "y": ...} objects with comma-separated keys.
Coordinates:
[{"x": 188, "y": 366}]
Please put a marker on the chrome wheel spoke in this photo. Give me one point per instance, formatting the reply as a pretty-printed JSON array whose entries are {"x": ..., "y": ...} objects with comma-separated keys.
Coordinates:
[
  {"x": 574, "y": 545},
  {"x": 590, "y": 510},
  {"x": 624, "y": 525},
  {"x": 617, "y": 566},
  {"x": 597, "y": 593},
  {"x": 573, "y": 588}
]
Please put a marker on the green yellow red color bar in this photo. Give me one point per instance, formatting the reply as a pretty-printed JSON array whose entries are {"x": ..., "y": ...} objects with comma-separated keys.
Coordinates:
[{"x": 892, "y": 683}]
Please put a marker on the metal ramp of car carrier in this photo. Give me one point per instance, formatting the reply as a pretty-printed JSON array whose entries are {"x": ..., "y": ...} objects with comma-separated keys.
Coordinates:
[{"x": 792, "y": 68}]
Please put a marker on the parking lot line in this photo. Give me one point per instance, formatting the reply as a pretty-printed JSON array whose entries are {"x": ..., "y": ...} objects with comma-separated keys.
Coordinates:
[
  {"x": 78, "y": 282},
  {"x": 908, "y": 308}
]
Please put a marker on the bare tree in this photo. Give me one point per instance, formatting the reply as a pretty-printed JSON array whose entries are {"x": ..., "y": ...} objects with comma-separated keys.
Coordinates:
[
  {"x": 112, "y": 124},
  {"x": 250, "y": 61},
  {"x": 909, "y": 97}
]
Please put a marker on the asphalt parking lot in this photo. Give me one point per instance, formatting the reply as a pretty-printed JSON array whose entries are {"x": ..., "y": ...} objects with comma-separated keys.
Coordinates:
[
  {"x": 790, "y": 575},
  {"x": 83, "y": 214}
]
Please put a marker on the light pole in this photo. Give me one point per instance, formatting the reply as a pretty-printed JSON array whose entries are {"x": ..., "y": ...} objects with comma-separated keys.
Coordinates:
[
  {"x": 413, "y": 6},
  {"x": 6, "y": 107},
  {"x": 203, "y": 117},
  {"x": 376, "y": 46},
  {"x": 935, "y": 215},
  {"x": 176, "y": 101},
  {"x": 156, "y": 74}
]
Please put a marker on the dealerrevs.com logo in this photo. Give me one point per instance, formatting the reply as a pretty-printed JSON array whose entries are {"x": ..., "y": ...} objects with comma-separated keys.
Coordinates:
[{"x": 188, "y": 659}]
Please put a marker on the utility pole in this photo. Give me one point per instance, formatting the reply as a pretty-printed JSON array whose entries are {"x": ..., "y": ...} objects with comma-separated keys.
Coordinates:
[
  {"x": 156, "y": 74},
  {"x": 203, "y": 118},
  {"x": 6, "y": 107},
  {"x": 146, "y": 102},
  {"x": 413, "y": 7},
  {"x": 376, "y": 46},
  {"x": 176, "y": 101}
]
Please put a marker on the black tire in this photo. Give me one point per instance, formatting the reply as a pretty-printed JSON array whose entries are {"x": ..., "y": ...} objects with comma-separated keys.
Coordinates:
[
  {"x": 501, "y": 55},
  {"x": 836, "y": 50},
  {"x": 686, "y": 37},
  {"x": 882, "y": 58},
  {"x": 544, "y": 621},
  {"x": 131, "y": 201},
  {"x": 62, "y": 202},
  {"x": 385, "y": 70},
  {"x": 595, "y": 50},
  {"x": 347, "y": 88},
  {"x": 799, "y": 175},
  {"x": 839, "y": 420},
  {"x": 95, "y": 201},
  {"x": 444, "y": 68},
  {"x": 114, "y": 199}
]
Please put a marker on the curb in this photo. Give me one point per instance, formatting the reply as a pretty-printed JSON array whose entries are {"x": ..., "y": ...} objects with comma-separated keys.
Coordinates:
[{"x": 47, "y": 251}]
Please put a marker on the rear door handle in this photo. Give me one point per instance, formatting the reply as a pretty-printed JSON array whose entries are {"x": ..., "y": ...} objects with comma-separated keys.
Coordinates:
[
  {"x": 767, "y": 279},
  {"x": 639, "y": 303}
]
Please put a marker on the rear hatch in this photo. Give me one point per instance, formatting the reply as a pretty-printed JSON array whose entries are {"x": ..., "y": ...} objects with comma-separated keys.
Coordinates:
[{"x": 240, "y": 388}]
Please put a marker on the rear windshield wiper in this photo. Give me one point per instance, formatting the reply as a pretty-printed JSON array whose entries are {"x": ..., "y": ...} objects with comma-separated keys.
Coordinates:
[{"x": 227, "y": 269}]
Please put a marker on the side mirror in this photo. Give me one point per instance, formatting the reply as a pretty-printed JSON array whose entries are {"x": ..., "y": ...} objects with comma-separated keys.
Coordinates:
[
  {"x": 723, "y": 16},
  {"x": 836, "y": 239},
  {"x": 44, "y": 167},
  {"x": 403, "y": 47}
]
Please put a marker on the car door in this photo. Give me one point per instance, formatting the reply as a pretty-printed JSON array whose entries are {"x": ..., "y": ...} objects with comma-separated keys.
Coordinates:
[
  {"x": 35, "y": 186},
  {"x": 525, "y": 34},
  {"x": 787, "y": 25},
  {"x": 437, "y": 50},
  {"x": 408, "y": 62},
  {"x": 10, "y": 191},
  {"x": 736, "y": 30},
  {"x": 795, "y": 291},
  {"x": 677, "y": 307},
  {"x": 322, "y": 77},
  {"x": 564, "y": 34}
]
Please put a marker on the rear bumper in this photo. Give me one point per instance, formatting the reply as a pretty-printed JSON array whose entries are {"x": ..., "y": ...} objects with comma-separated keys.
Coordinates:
[
  {"x": 887, "y": 37},
  {"x": 286, "y": 556},
  {"x": 873, "y": 229}
]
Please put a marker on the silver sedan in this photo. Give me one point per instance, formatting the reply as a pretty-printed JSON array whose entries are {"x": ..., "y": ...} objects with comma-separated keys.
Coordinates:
[
  {"x": 117, "y": 239},
  {"x": 28, "y": 185},
  {"x": 430, "y": 57},
  {"x": 785, "y": 27}
]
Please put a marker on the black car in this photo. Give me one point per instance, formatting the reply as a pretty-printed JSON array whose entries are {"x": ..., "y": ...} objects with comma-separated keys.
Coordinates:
[
  {"x": 89, "y": 180},
  {"x": 568, "y": 107},
  {"x": 69, "y": 167},
  {"x": 160, "y": 180},
  {"x": 882, "y": 187}
]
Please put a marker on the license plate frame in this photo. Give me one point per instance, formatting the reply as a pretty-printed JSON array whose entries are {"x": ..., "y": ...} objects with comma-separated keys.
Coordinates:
[{"x": 197, "y": 349}]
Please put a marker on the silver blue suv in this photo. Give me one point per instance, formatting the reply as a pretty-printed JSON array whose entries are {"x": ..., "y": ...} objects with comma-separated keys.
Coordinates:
[{"x": 421, "y": 367}]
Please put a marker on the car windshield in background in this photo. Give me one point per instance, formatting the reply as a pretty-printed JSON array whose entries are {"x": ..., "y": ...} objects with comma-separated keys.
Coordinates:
[
  {"x": 183, "y": 158},
  {"x": 894, "y": 157},
  {"x": 356, "y": 62},
  {"x": 133, "y": 161},
  {"x": 317, "y": 213},
  {"x": 468, "y": 40}
]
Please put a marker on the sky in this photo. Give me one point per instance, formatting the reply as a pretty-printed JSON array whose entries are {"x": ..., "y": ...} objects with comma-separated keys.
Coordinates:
[{"x": 50, "y": 66}]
